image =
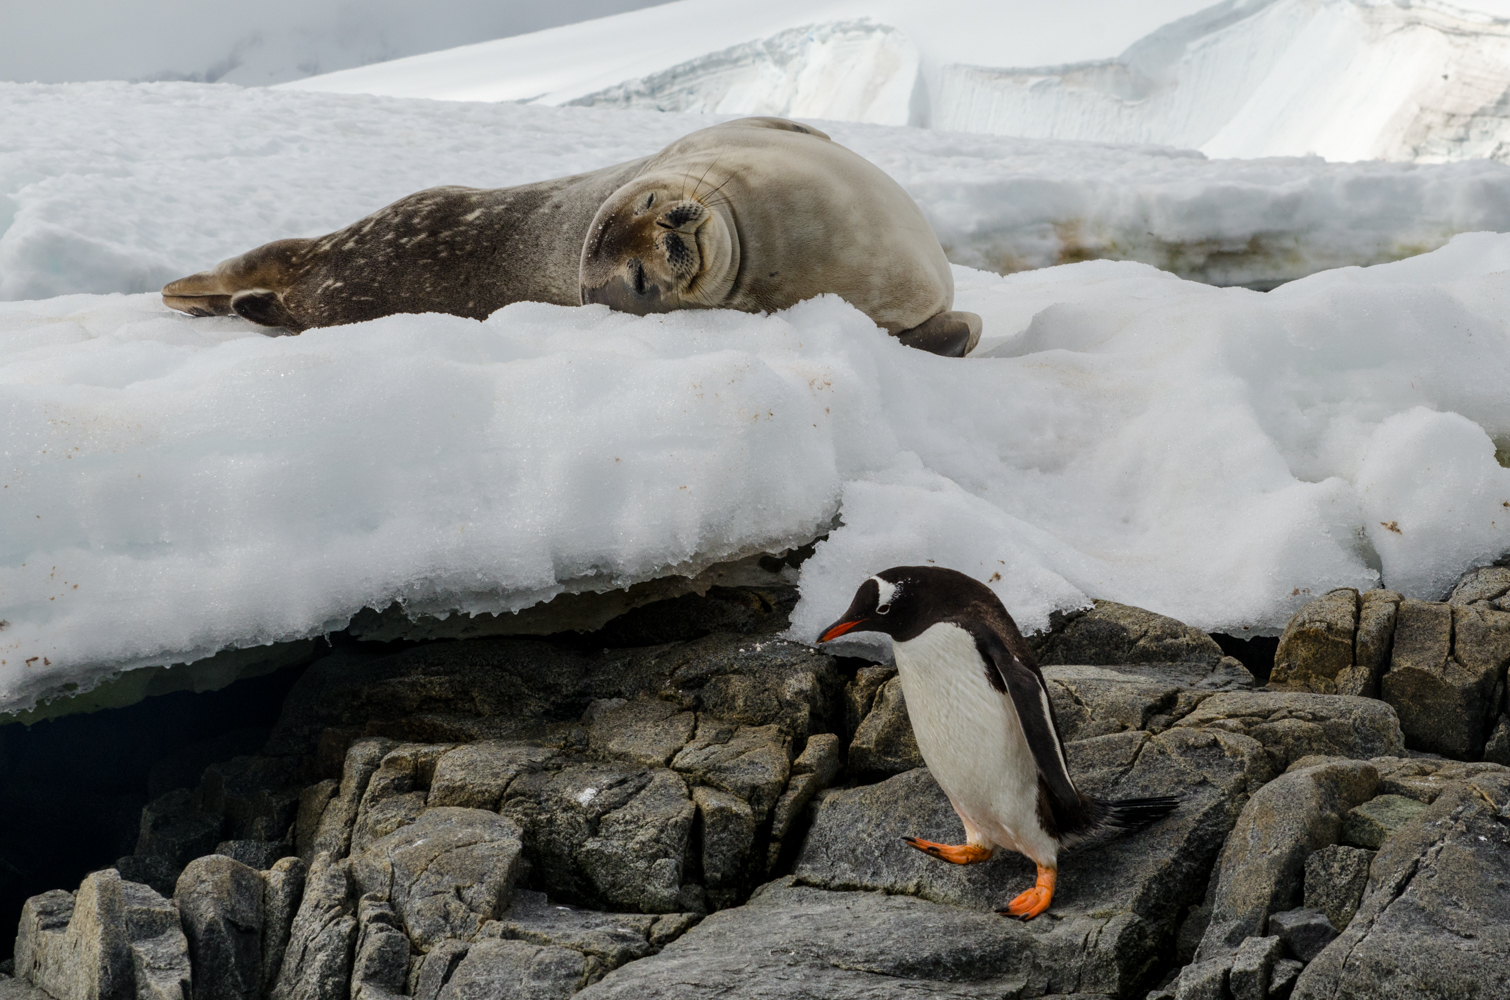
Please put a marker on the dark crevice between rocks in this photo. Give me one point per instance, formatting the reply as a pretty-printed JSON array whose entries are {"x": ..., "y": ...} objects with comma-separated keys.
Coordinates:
[
  {"x": 1256, "y": 653},
  {"x": 72, "y": 789}
]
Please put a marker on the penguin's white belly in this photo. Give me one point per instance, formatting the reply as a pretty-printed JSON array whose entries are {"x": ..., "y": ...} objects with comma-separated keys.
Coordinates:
[{"x": 972, "y": 741}]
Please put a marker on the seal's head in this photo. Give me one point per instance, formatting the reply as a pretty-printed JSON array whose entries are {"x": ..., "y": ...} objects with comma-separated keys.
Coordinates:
[{"x": 654, "y": 248}]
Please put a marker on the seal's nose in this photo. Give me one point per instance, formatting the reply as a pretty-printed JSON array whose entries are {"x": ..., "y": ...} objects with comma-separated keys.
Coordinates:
[{"x": 638, "y": 295}]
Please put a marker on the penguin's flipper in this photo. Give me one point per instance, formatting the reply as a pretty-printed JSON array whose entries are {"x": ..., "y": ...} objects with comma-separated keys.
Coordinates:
[
  {"x": 955, "y": 854},
  {"x": 1063, "y": 811},
  {"x": 1037, "y": 899}
]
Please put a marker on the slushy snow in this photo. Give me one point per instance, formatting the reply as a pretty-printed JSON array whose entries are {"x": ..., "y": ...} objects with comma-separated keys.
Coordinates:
[
  {"x": 174, "y": 486},
  {"x": 113, "y": 187},
  {"x": 1347, "y": 80}
]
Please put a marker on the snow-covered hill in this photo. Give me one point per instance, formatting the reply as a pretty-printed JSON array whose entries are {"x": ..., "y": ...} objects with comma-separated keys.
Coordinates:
[{"x": 1344, "y": 79}]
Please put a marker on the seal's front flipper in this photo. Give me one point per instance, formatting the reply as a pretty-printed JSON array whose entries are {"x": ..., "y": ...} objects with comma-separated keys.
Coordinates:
[
  {"x": 949, "y": 334},
  {"x": 266, "y": 308}
]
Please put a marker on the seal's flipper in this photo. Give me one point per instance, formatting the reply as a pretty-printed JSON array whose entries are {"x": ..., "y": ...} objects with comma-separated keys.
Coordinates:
[
  {"x": 266, "y": 308},
  {"x": 949, "y": 334}
]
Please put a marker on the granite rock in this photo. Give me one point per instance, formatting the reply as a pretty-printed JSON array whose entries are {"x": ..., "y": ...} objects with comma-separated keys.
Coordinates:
[
  {"x": 1263, "y": 861},
  {"x": 1304, "y": 932},
  {"x": 1334, "y": 882},
  {"x": 1252, "y": 967},
  {"x": 476, "y": 775},
  {"x": 519, "y": 970},
  {"x": 1486, "y": 586},
  {"x": 606, "y": 940},
  {"x": 1446, "y": 675},
  {"x": 317, "y": 960},
  {"x": 1368, "y": 825},
  {"x": 1292, "y": 725},
  {"x": 219, "y": 900},
  {"x": 884, "y": 742},
  {"x": 752, "y": 762},
  {"x": 445, "y": 873},
  {"x": 1435, "y": 921},
  {"x": 1113, "y": 633},
  {"x": 644, "y": 731},
  {"x": 1092, "y": 701},
  {"x": 1315, "y": 653}
]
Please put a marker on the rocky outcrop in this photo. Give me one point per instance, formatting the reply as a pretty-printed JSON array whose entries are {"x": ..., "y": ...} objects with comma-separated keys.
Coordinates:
[
  {"x": 1113, "y": 634},
  {"x": 723, "y": 815},
  {"x": 1292, "y": 725},
  {"x": 1447, "y": 675},
  {"x": 1337, "y": 644}
]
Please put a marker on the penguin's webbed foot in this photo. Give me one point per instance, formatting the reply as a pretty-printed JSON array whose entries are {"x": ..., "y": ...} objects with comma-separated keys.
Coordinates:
[
  {"x": 955, "y": 854},
  {"x": 1033, "y": 902}
]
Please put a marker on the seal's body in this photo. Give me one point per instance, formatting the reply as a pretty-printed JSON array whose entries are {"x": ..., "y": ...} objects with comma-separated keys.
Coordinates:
[
  {"x": 984, "y": 723},
  {"x": 756, "y": 214}
]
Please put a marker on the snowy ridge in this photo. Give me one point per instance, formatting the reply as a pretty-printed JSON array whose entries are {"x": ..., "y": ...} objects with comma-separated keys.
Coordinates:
[
  {"x": 854, "y": 71},
  {"x": 175, "y": 486},
  {"x": 1347, "y": 80},
  {"x": 1343, "y": 79},
  {"x": 121, "y": 188}
]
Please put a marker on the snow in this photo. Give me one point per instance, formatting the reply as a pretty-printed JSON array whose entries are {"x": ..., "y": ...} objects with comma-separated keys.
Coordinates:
[
  {"x": 110, "y": 187},
  {"x": 176, "y": 486},
  {"x": 1346, "y": 80}
]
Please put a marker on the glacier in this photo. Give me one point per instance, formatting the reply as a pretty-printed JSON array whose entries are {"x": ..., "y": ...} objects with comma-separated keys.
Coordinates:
[{"x": 1346, "y": 80}]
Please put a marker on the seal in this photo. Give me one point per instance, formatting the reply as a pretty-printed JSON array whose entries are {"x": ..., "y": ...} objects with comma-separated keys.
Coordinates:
[{"x": 755, "y": 214}]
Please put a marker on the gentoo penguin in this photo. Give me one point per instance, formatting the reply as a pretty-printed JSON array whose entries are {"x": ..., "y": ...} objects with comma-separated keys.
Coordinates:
[{"x": 984, "y": 723}]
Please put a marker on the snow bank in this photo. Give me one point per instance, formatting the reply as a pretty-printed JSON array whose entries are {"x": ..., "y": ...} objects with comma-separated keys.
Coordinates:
[
  {"x": 173, "y": 486},
  {"x": 1344, "y": 79},
  {"x": 122, "y": 188}
]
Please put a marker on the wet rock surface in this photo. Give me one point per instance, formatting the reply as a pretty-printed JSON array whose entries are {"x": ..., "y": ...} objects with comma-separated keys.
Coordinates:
[{"x": 687, "y": 805}]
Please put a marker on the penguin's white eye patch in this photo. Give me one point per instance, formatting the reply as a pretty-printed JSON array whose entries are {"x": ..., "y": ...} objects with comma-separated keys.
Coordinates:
[{"x": 886, "y": 593}]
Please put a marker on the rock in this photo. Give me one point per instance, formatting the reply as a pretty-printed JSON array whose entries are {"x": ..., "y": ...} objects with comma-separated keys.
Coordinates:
[
  {"x": 339, "y": 817},
  {"x": 1316, "y": 649},
  {"x": 433, "y": 969},
  {"x": 1204, "y": 981},
  {"x": 1436, "y": 920},
  {"x": 860, "y": 694},
  {"x": 259, "y": 855},
  {"x": 317, "y": 961},
  {"x": 1282, "y": 980},
  {"x": 1446, "y": 669},
  {"x": 607, "y": 940},
  {"x": 475, "y": 775},
  {"x": 1091, "y": 701},
  {"x": 114, "y": 940},
  {"x": 282, "y": 888},
  {"x": 380, "y": 970},
  {"x": 1377, "y": 614},
  {"x": 726, "y": 830},
  {"x": 220, "y": 902},
  {"x": 445, "y": 874},
  {"x": 813, "y": 771},
  {"x": 312, "y": 803},
  {"x": 172, "y": 828},
  {"x": 884, "y": 743},
  {"x": 157, "y": 873},
  {"x": 376, "y": 822},
  {"x": 644, "y": 731},
  {"x": 19, "y": 989},
  {"x": 1252, "y": 966},
  {"x": 1497, "y": 747},
  {"x": 1112, "y": 634},
  {"x": 1119, "y": 898},
  {"x": 1292, "y": 725},
  {"x": 1304, "y": 932},
  {"x": 1369, "y": 824},
  {"x": 257, "y": 798},
  {"x": 518, "y": 970},
  {"x": 752, "y": 762},
  {"x": 1335, "y": 879},
  {"x": 1264, "y": 858},
  {"x": 851, "y": 945},
  {"x": 1485, "y": 586}
]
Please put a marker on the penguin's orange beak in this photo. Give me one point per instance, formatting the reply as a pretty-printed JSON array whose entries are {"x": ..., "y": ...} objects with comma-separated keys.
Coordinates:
[{"x": 839, "y": 628}]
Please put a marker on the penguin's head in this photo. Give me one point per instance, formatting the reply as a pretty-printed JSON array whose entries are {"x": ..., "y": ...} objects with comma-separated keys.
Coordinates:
[{"x": 906, "y": 601}]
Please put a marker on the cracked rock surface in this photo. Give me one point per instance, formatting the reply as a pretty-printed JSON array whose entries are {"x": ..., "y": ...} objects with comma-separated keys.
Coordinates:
[{"x": 688, "y": 805}]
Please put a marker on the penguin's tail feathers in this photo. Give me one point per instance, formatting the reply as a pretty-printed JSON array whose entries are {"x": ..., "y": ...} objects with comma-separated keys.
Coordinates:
[{"x": 1129, "y": 814}]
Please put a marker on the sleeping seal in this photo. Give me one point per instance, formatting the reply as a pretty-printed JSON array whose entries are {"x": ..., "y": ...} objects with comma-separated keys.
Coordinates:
[{"x": 755, "y": 214}]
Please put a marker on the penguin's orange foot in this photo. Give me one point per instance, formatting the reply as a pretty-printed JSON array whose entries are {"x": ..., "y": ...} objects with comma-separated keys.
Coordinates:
[
  {"x": 1033, "y": 902},
  {"x": 957, "y": 854}
]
